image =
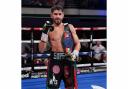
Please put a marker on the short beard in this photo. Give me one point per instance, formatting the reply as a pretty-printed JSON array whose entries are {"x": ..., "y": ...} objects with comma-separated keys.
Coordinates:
[{"x": 58, "y": 22}]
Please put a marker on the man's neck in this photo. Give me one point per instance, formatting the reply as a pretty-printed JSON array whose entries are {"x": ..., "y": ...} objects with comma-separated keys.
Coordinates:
[
  {"x": 57, "y": 25},
  {"x": 98, "y": 45}
]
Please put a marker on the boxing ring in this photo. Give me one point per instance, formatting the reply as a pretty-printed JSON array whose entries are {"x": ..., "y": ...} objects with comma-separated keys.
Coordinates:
[
  {"x": 91, "y": 79},
  {"x": 85, "y": 81}
]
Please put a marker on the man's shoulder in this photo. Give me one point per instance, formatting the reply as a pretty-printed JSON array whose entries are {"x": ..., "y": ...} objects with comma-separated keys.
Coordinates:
[
  {"x": 94, "y": 47},
  {"x": 72, "y": 29},
  {"x": 70, "y": 25},
  {"x": 102, "y": 46}
]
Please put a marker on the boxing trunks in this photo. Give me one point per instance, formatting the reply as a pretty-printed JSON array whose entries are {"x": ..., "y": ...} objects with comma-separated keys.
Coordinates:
[{"x": 60, "y": 66}]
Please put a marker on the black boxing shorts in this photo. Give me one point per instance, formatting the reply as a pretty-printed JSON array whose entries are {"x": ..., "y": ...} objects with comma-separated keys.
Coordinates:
[{"x": 60, "y": 68}]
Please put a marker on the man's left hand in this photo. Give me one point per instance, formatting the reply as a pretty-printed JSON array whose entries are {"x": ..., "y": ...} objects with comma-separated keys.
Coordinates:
[{"x": 74, "y": 55}]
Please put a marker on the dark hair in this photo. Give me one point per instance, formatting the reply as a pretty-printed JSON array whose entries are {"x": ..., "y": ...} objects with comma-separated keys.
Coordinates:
[{"x": 57, "y": 7}]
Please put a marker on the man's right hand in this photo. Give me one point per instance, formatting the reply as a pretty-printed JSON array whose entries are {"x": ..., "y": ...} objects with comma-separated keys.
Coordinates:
[{"x": 44, "y": 37}]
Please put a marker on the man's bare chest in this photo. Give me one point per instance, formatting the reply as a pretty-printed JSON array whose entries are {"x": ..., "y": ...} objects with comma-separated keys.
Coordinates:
[{"x": 56, "y": 35}]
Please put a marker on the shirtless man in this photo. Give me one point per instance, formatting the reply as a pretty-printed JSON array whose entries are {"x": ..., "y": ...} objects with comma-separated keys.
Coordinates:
[
  {"x": 99, "y": 50},
  {"x": 64, "y": 41}
]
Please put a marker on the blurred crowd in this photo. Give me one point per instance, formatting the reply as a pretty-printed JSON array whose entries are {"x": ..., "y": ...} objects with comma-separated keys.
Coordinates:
[{"x": 89, "y": 4}]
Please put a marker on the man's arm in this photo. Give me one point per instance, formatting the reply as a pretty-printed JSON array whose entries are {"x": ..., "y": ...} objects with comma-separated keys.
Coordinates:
[
  {"x": 75, "y": 38},
  {"x": 77, "y": 47},
  {"x": 43, "y": 43},
  {"x": 42, "y": 46},
  {"x": 93, "y": 48}
]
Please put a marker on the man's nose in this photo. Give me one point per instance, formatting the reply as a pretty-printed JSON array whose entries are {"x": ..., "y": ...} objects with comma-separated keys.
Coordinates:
[{"x": 57, "y": 15}]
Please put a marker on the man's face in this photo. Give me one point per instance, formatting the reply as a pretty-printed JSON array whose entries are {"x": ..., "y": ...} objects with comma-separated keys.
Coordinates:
[
  {"x": 57, "y": 16},
  {"x": 98, "y": 43}
]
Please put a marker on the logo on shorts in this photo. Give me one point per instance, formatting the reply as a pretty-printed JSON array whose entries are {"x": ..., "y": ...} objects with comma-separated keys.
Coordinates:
[
  {"x": 56, "y": 69},
  {"x": 53, "y": 81}
]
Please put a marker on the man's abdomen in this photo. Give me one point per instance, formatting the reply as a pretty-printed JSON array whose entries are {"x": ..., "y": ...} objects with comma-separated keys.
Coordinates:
[{"x": 57, "y": 47}]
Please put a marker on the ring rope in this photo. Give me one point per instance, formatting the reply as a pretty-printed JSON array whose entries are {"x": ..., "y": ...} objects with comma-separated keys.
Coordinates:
[
  {"x": 46, "y": 55},
  {"x": 82, "y": 28},
  {"x": 81, "y": 40}
]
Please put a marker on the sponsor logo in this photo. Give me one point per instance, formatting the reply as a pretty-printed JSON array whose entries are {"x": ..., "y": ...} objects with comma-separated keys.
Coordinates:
[
  {"x": 25, "y": 75},
  {"x": 38, "y": 75},
  {"x": 96, "y": 87},
  {"x": 56, "y": 69},
  {"x": 53, "y": 81}
]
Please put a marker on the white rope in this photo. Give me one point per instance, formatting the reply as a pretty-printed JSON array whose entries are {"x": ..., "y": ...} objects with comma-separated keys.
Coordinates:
[
  {"x": 24, "y": 28},
  {"x": 88, "y": 40},
  {"x": 40, "y": 67},
  {"x": 99, "y": 64},
  {"x": 26, "y": 68},
  {"x": 81, "y": 40},
  {"x": 83, "y": 65}
]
